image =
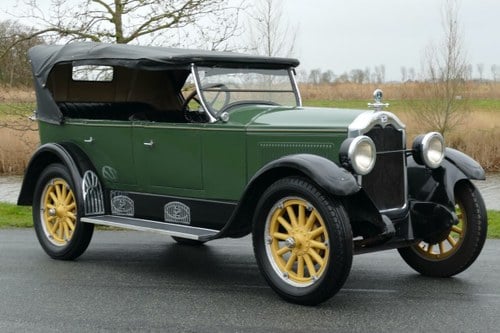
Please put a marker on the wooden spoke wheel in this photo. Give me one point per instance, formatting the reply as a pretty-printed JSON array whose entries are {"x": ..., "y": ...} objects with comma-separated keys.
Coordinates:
[
  {"x": 302, "y": 241},
  {"x": 56, "y": 216},
  {"x": 457, "y": 248}
]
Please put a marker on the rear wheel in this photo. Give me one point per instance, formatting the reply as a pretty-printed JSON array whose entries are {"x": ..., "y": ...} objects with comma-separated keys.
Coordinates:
[
  {"x": 302, "y": 241},
  {"x": 458, "y": 247},
  {"x": 56, "y": 217}
]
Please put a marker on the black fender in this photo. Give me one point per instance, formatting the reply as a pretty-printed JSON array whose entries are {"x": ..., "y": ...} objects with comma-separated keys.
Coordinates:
[
  {"x": 326, "y": 174},
  {"x": 438, "y": 185},
  {"x": 67, "y": 154}
]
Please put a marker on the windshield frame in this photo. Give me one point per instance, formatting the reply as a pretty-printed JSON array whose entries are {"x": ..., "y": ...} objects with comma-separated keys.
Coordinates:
[{"x": 214, "y": 115}]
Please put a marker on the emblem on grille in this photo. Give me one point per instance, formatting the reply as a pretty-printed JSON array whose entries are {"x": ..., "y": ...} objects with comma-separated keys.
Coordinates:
[
  {"x": 177, "y": 212},
  {"x": 383, "y": 119}
]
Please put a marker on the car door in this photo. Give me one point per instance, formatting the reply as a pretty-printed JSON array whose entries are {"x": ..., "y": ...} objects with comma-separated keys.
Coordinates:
[{"x": 168, "y": 158}]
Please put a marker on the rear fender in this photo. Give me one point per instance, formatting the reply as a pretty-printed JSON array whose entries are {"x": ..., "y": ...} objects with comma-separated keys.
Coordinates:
[{"x": 73, "y": 158}]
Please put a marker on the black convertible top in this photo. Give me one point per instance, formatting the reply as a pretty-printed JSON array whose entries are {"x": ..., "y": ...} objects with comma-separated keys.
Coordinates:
[{"x": 44, "y": 58}]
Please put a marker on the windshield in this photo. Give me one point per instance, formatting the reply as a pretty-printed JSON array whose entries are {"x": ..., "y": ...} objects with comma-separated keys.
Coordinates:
[{"x": 223, "y": 88}]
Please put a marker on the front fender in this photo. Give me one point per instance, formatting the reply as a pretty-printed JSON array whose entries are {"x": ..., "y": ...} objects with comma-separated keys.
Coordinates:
[
  {"x": 328, "y": 175},
  {"x": 438, "y": 185}
]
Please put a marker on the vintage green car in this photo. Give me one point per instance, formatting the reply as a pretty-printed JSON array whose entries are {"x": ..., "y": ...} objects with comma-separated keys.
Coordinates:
[{"x": 204, "y": 145}]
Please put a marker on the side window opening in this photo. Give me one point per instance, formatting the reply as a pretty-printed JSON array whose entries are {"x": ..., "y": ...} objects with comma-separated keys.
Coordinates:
[
  {"x": 91, "y": 73},
  {"x": 98, "y": 92}
]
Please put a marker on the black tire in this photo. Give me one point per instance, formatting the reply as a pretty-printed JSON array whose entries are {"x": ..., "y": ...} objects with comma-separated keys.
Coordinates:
[
  {"x": 57, "y": 222},
  {"x": 298, "y": 283},
  {"x": 185, "y": 241},
  {"x": 469, "y": 240}
]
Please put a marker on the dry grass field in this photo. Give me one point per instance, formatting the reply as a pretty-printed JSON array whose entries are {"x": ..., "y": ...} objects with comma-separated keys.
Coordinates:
[{"x": 477, "y": 136}]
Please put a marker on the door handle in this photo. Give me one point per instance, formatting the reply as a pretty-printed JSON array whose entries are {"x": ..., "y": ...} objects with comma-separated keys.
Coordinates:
[
  {"x": 89, "y": 140},
  {"x": 149, "y": 144}
]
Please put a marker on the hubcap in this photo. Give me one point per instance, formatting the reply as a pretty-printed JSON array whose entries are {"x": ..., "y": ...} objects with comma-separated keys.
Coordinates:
[
  {"x": 58, "y": 212},
  {"x": 298, "y": 250},
  {"x": 450, "y": 243}
]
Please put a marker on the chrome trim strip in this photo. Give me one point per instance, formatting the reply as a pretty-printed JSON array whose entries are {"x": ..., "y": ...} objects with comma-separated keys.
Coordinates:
[
  {"x": 295, "y": 87},
  {"x": 150, "y": 229},
  {"x": 369, "y": 119},
  {"x": 211, "y": 117}
]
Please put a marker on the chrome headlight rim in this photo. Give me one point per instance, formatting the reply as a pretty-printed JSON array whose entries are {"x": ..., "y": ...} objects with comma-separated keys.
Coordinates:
[
  {"x": 426, "y": 152},
  {"x": 357, "y": 146}
]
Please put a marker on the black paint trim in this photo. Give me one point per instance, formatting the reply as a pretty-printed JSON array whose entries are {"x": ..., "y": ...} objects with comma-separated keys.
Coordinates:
[{"x": 209, "y": 214}]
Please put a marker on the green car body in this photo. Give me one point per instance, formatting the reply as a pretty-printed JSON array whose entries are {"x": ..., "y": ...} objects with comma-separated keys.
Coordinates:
[{"x": 200, "y": 145}]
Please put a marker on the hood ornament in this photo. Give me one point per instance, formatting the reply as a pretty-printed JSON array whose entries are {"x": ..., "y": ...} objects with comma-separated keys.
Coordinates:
[{"x": 378, "y": 105}]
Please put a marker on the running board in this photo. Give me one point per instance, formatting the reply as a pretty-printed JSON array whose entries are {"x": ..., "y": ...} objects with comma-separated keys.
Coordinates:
[{"x": 183, "y": 231}]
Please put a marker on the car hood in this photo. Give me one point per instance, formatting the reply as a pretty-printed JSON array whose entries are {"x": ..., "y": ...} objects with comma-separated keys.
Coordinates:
[{"x": 266, "y": 118}]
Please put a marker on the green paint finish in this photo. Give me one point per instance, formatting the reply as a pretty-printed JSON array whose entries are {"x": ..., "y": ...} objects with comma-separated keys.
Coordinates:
[
  {"x": 209, "y": 161},
  {"x": 109, "y": 148}
]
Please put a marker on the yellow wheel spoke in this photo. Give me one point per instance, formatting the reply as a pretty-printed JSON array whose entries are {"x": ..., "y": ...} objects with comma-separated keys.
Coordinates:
[
  {"x": 50, "y": 218},
  {"x": 317, "y": 232},
  {"x": 291, "y": 216},
  {"x": 71, "y": 215},
  {"x": 70, "y": 224},
  {"x": 310, "y": 220},
  {"x": 441, "y": 247},
  {"x": 52, "y": 230},
  {"x": 53, "y": 196},
  {"x": 60, "y": 230},
  {"x": 69, "y": 198},
  {"x": 302, "y": 215},
  {"x": 429, "y": 248},
  {"x": 71, "y": 206},
  {"x": 285, "y": 223},
  {"x": 452, "y": 241},
  {"x": 64, "y": 191},
  {"x": 300, "y": 267},
  {"x": 50, "y": 206},
  {"x": 290, "y": 262},
  {"x": 280, "y": 236},
  {"x": 58, "y": 191},
  {"x": 318, "y": 245},
  {"x": 314, "y": 255},
  {"x": 66, "y": 231},
  {"x": 282, "y": 251},
  {"x": 456, "y": 229},
  {"x": 310, "y": 265}
]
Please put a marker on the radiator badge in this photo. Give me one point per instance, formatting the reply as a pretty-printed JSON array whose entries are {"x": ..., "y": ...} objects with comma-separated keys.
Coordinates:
[
  {"x": 121, "y": 204},
  {"x": 177, "y": 212}
]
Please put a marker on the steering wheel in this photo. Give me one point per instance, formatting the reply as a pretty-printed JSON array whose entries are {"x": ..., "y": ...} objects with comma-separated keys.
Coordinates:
[{"x": 202, "y": 116}]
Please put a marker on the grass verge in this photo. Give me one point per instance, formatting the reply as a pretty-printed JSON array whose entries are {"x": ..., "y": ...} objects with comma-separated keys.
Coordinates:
[{"x": 12, "y": 216}]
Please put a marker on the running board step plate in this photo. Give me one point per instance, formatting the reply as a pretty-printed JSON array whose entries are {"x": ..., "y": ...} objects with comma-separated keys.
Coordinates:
[{"x": 183, "y": 231}]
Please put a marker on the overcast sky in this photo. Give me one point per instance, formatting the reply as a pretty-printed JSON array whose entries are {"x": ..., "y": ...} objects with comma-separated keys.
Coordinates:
[{"x": 346, "y": 34}]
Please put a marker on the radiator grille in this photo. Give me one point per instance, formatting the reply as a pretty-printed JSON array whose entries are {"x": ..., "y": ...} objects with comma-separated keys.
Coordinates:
[{"x": 386, "y": 183}]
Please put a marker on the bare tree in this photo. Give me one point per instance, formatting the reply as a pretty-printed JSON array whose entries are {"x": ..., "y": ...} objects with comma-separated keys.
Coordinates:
[
  {"x": 445, "y": 73},
  {"x": 404, "y": 74},
  {"x": 480, "y": 70},
  {"x": 270, "y": 32},
  {"x": 166, "y": 22},
  {"x": 494, "y": 72},
  {"x": 14, "y": 65}
]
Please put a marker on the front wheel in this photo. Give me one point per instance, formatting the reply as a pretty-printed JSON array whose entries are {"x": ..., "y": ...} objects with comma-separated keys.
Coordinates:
[
  {"x": 302, "y": 241},
  {"x": 459, "y": 247},
  {"x": 55, "y": 215}
]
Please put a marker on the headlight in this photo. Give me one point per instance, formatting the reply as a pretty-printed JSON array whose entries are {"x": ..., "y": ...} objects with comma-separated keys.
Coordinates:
[
  {"x": 428, "y": 149},
  {"x": 358, "y": 154}
]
